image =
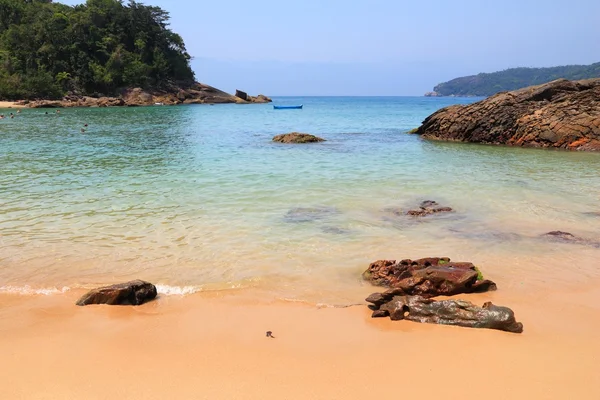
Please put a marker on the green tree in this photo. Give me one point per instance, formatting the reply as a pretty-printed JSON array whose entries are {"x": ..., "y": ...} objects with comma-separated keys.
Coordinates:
[{"x": 99, "y": 47}]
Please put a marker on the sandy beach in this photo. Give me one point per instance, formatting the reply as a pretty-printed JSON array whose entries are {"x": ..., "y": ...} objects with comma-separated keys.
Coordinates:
[
  {"x": 214, "y": 346},
  {"x": 10, "y": 104}
]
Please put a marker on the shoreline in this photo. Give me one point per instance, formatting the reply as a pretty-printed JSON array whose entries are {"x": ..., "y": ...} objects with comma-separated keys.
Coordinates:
[{"x": 213, "y": 345}]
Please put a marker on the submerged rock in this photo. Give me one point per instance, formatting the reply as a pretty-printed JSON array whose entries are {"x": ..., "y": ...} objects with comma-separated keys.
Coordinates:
[
  {"x": 129, "y": 293},
  {"x": 428, "y": 207},
  {"x": 445, "y": 312},
  {"x": 334, "y": 230},
  {"x": 566, "y": 237},
  {"x": 427, "y": 277},
  {"x": 485, "y": 234},
  {"x": 296, "y": 137},
  {"x": 560, "y": 114},
  {"x": 309, "y": 214}
]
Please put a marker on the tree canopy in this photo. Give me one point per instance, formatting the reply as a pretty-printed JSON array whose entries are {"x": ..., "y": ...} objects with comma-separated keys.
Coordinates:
[
  {"x": 48, "y": 49},
  {"x": 512, "y": 79}
]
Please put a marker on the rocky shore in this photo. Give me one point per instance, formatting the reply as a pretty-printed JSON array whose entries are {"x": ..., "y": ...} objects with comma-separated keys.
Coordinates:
[
  {"x": 559, "y": 114},
  {"x": 198, "y": 93}
]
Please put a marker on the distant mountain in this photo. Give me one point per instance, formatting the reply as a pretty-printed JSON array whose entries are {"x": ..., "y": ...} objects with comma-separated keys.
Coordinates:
[{"x": 487, "y": 84}]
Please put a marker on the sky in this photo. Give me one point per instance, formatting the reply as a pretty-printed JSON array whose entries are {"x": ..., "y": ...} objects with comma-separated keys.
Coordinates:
[{"x": 375, "y": 47}]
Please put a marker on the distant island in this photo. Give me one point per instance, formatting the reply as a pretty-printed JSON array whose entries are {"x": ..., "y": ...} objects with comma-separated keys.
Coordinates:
[
  {"x": 487, "y": 84},
  {"x": 97, "y": 50}
]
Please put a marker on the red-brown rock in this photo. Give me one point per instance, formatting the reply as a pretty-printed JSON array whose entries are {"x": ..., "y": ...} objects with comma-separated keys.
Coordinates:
[{"x": 427, "y": 277}]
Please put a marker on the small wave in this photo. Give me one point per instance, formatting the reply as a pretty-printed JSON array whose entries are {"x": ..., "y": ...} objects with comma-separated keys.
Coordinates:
[
  {"x": 28, "y": 290},
  {"x": 176, "y": 290}
]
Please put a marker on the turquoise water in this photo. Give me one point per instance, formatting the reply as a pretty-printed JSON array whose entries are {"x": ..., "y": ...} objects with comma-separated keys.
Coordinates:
[{"x": 199, "y": 198}]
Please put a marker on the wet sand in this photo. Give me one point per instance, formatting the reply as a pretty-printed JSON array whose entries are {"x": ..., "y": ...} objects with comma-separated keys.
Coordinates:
[{"x": 214, "y": 346}]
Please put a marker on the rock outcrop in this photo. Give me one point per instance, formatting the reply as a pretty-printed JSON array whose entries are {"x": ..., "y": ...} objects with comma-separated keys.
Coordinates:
[
  {"x": 129, "y": 293},
  {"x": 560, "y": 114},
  {"x": 446, "y": 312},
  {"x": 197, "y": 93},
  {"x": 296, "y": 137},
  {"x": 427, "y": 277}
]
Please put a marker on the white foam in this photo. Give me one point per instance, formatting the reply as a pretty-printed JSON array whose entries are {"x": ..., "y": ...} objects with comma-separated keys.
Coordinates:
[
  {"x": 28, "y": 290},
  {"x": 176, "y": 290}
]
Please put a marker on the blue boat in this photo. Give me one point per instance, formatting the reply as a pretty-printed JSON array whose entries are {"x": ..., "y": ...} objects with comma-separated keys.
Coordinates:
[{"x": 288, "y": 107}]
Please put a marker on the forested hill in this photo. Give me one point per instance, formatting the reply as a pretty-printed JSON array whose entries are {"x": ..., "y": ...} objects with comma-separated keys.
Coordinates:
[
  {"x": 512, "y": 79},
  {"x": 48, "y": 49}
]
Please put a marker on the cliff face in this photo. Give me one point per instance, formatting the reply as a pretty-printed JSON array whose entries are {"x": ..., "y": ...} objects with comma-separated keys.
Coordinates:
[
  {"x": 559, "y": 114},
  {"x": 197, "y": 93}
]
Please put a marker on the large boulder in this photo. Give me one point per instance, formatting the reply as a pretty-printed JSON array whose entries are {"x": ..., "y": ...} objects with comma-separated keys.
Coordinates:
[
  {"x": 129, "y": 293},
  {"x": 242, "y": 95},
  {"x": 427, "y": 277},
  {"x": 296, "y": 137},
  {"x": 559, "y": 114},
  {"x": 261, "y": 98},
  {"x": 445, "y": 312}
]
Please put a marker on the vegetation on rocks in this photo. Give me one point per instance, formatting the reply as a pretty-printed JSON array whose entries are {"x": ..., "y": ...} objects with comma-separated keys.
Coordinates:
[{"x": 487, "y": 84}]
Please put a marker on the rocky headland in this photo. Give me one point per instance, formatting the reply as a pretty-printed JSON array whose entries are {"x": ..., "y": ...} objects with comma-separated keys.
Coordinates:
[
  {"x": 559, "y": 114},
  {"x": 198, "y": 93}
]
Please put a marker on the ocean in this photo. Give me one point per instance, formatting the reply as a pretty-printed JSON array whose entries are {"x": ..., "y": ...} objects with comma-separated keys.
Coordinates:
[{"x": 198, "y": 198}]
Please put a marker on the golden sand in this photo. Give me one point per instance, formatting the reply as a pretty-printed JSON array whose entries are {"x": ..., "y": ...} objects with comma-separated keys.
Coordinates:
[
  {"x": 10, "y": 104},
  {"x": 214, "y": 346}
]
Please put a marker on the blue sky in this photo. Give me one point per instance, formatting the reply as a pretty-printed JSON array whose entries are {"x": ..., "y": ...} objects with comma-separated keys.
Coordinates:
[{"x": 376, "y": 47}]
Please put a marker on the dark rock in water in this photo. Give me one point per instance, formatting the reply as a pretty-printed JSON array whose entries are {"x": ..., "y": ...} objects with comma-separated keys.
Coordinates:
[
  {"x": 592, "y": 214},
  {"x": 566, "y": 237},
  {"x": 129, "y": 293},
  {"x": 296, "y": 137},
  {"x": 561, "y": 235},
  {"x": 428, "y": 207},
  {"x": 427, "y": 277},
  {"x": 334, "y": 230},
  {"x": 445, "y": 312},
  {"x": 486, "y": 235},
  {"x": 559, "y": 114},
  {"x": 309, "y": 214}
]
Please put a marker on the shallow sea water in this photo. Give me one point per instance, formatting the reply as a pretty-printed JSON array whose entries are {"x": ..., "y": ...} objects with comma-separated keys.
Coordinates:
[{"x": 199, "y": 198}]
